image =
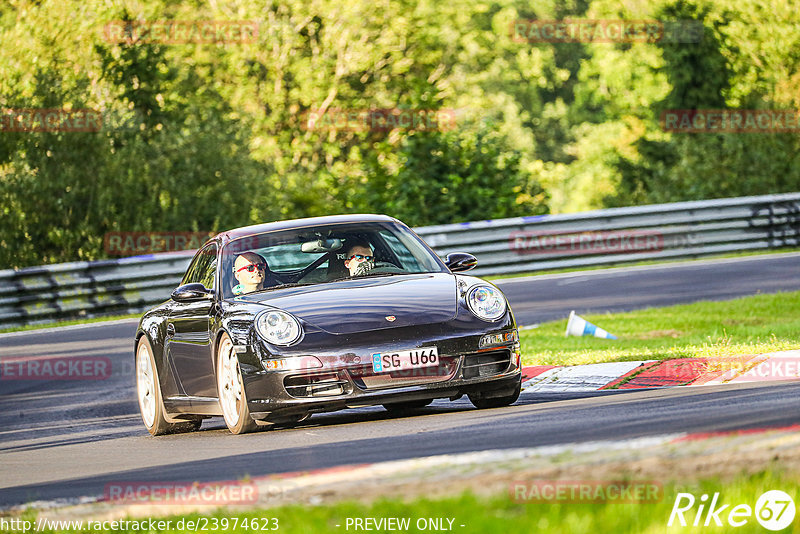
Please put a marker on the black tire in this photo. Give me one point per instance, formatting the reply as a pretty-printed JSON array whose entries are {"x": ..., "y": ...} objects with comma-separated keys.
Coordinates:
[
  {"x": 407, "y": 406},
  {"x": 148, "y": 393},
  {"x": 230, "y": 389},
  {"x": 481, "y": 402}
]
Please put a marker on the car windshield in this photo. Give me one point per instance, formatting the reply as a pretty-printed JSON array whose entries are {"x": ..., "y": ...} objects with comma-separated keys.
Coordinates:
[{"x": 322, "y": 254}]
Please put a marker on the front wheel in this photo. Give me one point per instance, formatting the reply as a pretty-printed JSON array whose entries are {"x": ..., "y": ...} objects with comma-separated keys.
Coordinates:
[
  {"x": 148, "y": 392},
  {"x": 479, "y": 401},
  {"x": 230, "y": 388}
]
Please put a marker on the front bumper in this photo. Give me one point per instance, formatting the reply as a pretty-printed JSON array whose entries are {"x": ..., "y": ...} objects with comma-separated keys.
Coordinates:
[{"x": 346, "y": 380}]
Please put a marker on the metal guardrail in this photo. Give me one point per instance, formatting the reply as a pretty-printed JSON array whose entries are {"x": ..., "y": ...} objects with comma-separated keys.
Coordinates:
[
  {"x": 623, "y": 235},
  {"x": 39, "y": 295},
  {"x": 523, "y": 244}
]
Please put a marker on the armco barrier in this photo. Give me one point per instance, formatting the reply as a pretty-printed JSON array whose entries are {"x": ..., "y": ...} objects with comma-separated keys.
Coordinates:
[
  {"x": 87, "y": 289},
  {"x": 661, "y": 231},
  {"x": 523, "y": 244}
]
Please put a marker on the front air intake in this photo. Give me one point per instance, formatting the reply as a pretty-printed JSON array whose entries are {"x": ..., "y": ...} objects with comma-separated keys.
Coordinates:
[
  {"x": 319, "y": 385},
  {"x": 486, "y": 364}
]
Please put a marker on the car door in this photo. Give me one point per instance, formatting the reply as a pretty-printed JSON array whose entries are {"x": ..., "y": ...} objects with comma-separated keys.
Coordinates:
[{"x": 188, "y": 329}]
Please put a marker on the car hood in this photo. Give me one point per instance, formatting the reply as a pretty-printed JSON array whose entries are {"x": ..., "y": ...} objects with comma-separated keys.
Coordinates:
[{"x": 362, "y": 304}]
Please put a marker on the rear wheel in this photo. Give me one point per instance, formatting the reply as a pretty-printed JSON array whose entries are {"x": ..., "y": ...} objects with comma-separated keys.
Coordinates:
[
  {"x": 230, "y": 388},
  {"x": 148, "y": 392},
  {"x": 407, "y": 406},
  {"x": 480, "y": 400}
]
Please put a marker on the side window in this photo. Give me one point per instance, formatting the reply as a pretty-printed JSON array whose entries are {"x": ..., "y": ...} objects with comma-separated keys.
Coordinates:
[
  {"x": 191, "y": 273},
  {"x": 210, "y": 269},
  {"x": 203, "y": 268}
]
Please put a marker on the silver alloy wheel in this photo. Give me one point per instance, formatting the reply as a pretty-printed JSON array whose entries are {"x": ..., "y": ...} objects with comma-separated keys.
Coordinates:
[
  {"x": 145, "y": 385},
  {"x": 230, "y": 383}
]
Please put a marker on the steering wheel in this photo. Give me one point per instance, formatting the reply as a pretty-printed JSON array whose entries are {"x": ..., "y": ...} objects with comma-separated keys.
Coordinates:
[{"x": 366, "y": 268}]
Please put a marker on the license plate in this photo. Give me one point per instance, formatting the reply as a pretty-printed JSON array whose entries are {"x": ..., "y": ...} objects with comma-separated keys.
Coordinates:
[{"x": 384, "y": 362}]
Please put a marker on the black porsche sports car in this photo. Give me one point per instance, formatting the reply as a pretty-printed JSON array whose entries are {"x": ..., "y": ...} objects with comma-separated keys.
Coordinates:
[{"x": 275, "y": 322}]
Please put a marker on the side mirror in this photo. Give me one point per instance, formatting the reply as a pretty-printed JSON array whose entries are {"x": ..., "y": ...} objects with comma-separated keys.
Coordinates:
[
  {"x": 190, "y": 292},
  {"x": 460, "y": 261}
]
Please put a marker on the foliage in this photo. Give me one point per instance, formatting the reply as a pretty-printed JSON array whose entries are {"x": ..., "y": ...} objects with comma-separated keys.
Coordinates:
[
  {"x": 209, "y": 136},
  {"x": 718, "y": 73}
]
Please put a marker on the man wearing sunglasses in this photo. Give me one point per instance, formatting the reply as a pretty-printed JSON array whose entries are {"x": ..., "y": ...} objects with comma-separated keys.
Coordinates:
[
  {"x": 360, "y": 258},
  {"x": 249, "y": 269}
]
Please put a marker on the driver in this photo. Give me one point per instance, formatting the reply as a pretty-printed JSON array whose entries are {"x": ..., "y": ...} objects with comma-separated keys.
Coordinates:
[
  {"x": 359, "y": 258},
  {"x": 249, "y": 269}
]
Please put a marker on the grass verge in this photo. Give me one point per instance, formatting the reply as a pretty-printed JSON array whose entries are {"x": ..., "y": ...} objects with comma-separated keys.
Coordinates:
[
  {"x": 468, "y": 513},
  {"x": 748, "y": 325}
]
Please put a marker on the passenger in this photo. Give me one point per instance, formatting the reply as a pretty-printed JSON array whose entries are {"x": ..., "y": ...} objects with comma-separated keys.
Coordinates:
[
  {"x": 360, "y": 258},
  {"x": 249, "y": 269}
]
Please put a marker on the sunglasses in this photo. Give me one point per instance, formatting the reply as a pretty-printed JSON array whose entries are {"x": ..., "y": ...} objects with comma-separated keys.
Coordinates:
[
  {"x": 252, "y": 267},
  {"x": 361, "y": 257}
]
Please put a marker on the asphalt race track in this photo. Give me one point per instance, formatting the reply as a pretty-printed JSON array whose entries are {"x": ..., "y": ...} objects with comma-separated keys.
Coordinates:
[{"x": 67, "y": 439}]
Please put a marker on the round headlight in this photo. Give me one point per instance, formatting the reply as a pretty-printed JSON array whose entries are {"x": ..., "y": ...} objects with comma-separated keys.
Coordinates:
[
  {"x": 486, "y": 303},
  {"x": 278, "y": 327}
]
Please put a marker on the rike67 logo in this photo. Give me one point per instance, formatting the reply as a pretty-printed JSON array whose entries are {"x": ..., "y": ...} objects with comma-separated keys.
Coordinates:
[{"x": 774, "y": 510}]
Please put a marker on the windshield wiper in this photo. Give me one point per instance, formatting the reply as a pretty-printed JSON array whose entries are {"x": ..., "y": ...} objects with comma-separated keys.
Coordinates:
[{"x": 365, "y": 275}]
